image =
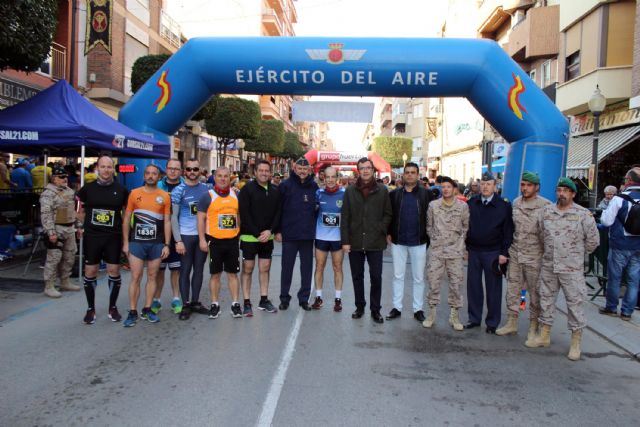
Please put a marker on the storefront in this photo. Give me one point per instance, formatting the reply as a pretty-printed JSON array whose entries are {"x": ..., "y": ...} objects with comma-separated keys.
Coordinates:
[{"x": 618, "y": 148}]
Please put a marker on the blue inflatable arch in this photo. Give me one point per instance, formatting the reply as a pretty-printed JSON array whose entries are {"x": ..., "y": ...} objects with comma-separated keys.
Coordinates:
[{"x": 476, "y": 69}]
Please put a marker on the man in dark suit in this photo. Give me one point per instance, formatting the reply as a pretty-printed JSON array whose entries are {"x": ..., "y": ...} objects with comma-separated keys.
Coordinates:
[{"x": 488, "y": 241}]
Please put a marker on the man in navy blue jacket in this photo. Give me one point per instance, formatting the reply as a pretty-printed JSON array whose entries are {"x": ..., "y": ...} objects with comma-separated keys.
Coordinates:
[
  {"x": 624, "y": 249},
  {"x": 488, "y": 241},
  {"x": 297, "y": 231}
]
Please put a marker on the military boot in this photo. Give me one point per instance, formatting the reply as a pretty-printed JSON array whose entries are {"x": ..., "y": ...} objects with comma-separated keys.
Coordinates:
[
  {"x": 431, "y": 317},
  {"x": 531, "y": 335},
  {"x": 574, "y": 350},
  {"x": 511, "y": 327},
  {"x": 50, "y": 289},
  {"x": 66, "y": 285},
  {"x": 542, "y": 340},
  {"x": 454, "y": 320}
]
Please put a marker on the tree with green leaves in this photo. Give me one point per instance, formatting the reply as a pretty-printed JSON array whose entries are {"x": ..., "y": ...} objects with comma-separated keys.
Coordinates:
[
  {"x": 27, "y": 28},
  {"x": 271, "y": 138},
  {"x": 391, "y": 148},
  {"x": 291, "y": 148},
  {"x": 233, "y": 119}
]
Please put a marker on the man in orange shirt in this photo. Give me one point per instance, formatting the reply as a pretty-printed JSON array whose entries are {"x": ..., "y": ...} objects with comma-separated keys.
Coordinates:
[
  {"x": 218, "y": 230},
  {"x": 147, "y": 238}
]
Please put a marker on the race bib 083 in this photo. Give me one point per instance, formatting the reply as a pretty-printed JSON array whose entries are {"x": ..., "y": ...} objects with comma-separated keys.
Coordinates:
[{"x": 102, "y": 217}]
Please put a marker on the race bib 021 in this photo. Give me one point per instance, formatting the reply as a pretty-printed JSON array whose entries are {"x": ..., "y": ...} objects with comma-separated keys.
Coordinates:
[
  {"x": 331, "y": 219},
  {"x": 102, "y": 217}
]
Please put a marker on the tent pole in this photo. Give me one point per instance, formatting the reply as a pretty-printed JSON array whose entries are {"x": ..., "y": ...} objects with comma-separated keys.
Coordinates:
[
  {"x": 46, "y": 160},
  {"x": 80, "y": 252}
]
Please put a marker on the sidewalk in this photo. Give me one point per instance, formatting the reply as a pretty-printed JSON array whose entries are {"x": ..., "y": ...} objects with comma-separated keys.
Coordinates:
[{"x": 620, "y": 333}]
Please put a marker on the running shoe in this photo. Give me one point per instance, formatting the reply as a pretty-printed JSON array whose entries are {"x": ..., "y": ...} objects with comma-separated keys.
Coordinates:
[
  {"x": 176, "y": 306},
  {"x": 185, "y": 314},
  {"x": 236, "y": 311},
  {"x": 337, "y": 305},
  {"x": 114, "y": 315},
  {"x": 149, "y": 315},
  {"x": 267, "y": 306},
  {"x": 214, "y": 311},
  {"x": 317, "y": 303},
  {"x": 90, "y": 317},
  {"x": 156, "y": 305},
  {"x": 131, "y": 320},
  {"x": 247, "y": 311},
  {"x": 197, "y": 307}
]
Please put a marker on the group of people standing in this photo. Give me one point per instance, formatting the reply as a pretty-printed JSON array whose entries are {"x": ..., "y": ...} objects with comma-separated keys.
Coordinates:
[{"x": 176, "y": 221}]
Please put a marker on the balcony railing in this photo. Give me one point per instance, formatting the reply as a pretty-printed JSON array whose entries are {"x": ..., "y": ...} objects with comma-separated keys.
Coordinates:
[
  {"x": 55, "y": 66},
  {"x": 170, "y": 30},
  {"x": 271, "y": 22}
]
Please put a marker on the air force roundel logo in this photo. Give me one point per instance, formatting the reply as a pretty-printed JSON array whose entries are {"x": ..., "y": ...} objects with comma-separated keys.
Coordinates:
[{"x": 336, "y": 54}]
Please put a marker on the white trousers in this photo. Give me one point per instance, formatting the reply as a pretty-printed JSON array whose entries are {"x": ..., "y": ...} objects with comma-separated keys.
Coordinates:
[{"x": 418, "y": 257}]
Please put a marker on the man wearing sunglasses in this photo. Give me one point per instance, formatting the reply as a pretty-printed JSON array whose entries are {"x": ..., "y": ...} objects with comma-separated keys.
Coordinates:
[
  {"x": 168, "y": 184},
  {"x": 184, "y": 226},
  {"x": 58, "y": 215}
]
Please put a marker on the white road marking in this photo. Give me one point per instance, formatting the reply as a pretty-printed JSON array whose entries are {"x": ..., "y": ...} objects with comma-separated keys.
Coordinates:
[{"x": 273, "y": 395}]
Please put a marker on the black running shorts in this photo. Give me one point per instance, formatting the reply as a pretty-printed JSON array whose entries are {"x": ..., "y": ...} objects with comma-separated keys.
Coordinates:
[{"x": 106, "y": 247}]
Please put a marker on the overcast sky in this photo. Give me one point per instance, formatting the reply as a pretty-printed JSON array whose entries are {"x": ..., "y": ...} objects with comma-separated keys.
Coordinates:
[{"x": 326, "y": 18}]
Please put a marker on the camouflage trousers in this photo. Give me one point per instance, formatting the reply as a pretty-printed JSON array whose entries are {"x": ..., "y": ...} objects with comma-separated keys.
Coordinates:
[
  {"x": 60, "y": 261},
  {"x": 575, "y": 292},
  {"x": 519, "y": 277},
  {"x": 437, "y": 268}
]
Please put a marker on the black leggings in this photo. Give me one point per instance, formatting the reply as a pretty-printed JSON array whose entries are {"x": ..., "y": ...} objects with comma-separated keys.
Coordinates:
[{"x": 193, "y": 258}]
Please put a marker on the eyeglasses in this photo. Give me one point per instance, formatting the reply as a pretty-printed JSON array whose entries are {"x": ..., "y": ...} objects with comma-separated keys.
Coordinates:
[
  {"x": 192, "y": 169},
  {"x": 61, "y": 176},
  {"x": 173, "y": 169},
  {"x": 365, "y": 168}
]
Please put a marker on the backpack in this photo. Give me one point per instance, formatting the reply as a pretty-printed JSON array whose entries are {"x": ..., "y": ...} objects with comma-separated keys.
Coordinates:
[{"x": 632, "y": 222}]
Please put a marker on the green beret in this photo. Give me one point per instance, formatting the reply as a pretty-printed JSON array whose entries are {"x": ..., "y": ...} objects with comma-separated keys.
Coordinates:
[
  {"x": 567, "y": 183},
  {"x": 531, "y": 177}
]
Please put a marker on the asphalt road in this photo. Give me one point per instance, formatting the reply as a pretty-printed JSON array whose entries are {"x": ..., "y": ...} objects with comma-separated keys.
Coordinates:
[{"x": 299, "y": 368}]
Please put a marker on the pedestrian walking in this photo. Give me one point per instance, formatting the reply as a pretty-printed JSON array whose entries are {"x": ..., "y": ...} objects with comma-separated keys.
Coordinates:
[
  {"x": 102, "y": 203},
  {"x": 525, "y": 256},
  {"x": 146, "y": 238},
  {"x": 218, "y": 230},
  {"x": 184, "y": 226},
  {"x": 447, "y": 226},
  {"x": 407, "y": 236},
  {"x": 488, "y": 241},
  {"x": 167, "y": 184},
  {"x": 366, "y": 215},
  {"x": 260, "y": 206},
  {"x": 569, "y": 232},
  {"x": 624, "y": 247},
  {"x": 297, "y": 230},
  {"x": 329, "y": 204},
  {"x": 59, "y": 222}
]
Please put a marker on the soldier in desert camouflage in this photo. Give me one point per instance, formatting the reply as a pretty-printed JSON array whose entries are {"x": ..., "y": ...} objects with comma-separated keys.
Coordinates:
[
  {"x": 525, "y": 255},
  {"x": 569, "y": 231},
  {"x": 447, "y": 225},
  {"x": 58, "y": 216}
]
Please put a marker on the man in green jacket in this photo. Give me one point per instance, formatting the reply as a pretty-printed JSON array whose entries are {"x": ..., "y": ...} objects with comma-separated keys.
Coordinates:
[{"x": 366, "y": 214}]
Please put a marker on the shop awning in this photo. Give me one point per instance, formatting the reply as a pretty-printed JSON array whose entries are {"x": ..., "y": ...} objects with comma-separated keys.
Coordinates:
[{"x": 580, "y": 148}]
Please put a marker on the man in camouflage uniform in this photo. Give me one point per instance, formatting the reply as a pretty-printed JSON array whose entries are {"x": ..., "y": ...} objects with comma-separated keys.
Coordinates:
[
  {"x": 447, "y": 225},
  {"x": 58, "y": 216},
  {"x": 569, "y": 231},
  {"x": 525, "y": 255}
]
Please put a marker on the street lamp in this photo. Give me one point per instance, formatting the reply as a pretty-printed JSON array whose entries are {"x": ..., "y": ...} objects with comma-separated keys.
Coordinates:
[
  {"x": 597, "y": 103},
  {"x": 404, "y": 159}
]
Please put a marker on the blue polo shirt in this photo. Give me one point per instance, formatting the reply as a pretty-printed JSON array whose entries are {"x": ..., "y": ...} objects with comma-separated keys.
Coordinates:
[{"x": 409, "y": 219}]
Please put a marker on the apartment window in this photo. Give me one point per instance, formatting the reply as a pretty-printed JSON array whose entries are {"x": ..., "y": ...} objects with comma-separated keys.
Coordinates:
[
  {"x": 532, "y": 76},
  {"x": 418, "y": 111},
  {"x": 417, "y": 144},
  {"x": 545, "y": 78},
  {"x": 572, "y": 69}
]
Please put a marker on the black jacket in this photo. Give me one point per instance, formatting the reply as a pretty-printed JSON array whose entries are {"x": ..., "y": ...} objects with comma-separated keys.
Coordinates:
[
  {"x": 365, "y": 221},
  {"x": 491, "y": 226},
  {"x": 259, "y": 208},
  {"x": 424, "y": 198}
]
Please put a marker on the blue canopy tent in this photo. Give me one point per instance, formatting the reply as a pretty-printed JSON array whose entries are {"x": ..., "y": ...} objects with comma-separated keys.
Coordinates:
[
  {"x": 497, "y": 166},
  {"x": 60, "y": 120}
]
